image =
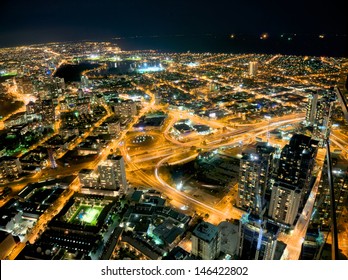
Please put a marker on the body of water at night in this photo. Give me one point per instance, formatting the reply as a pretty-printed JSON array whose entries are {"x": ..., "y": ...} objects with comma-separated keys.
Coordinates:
[
  {"x": 288, "y": 44},
  {"x": 72, "y": 72}
]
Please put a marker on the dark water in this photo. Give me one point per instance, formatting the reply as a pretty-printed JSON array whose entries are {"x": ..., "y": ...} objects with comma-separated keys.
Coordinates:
[
  {"x": 119, "y": 67},
  {"x": 311, "y": 45},
  {"x": 72, "y": 72}
]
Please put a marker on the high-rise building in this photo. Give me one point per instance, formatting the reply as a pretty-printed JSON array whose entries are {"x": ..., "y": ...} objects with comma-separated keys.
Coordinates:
[
  {"x": 258, "y": 239},
  {"x": 285, "y": 202},
  {"x": 113, "y": 125},
  {"x": 292, "y": 181},
  {"x": 254, "y": 174},
  {"x": 206, "y": 241},
  {"x": 88, "y": 178},
  {"x": 319, "y": 113},
  {"x": 271, "y": 156},
  {"x": 253, "y": 65},
  {"x": 113, "y": 174},
  {"x": 322, "y": 119},
  {"x": 107, "y": 175},
  {"x": 250, "y": 191},
  {"x": 297, "y": 161},
  {"x": 311, "y": 108},
  {"x": 322, "y": 205},
  {"x": 312, "y": 243},
  {"x": 126, "y": 108}
]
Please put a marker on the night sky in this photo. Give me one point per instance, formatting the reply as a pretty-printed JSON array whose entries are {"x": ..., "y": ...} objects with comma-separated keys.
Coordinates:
[{"x": 35, "y": 21}]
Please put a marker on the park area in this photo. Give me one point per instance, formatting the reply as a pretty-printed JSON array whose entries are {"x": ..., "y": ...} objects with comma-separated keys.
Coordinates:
[{"x": 87, "y": 214}]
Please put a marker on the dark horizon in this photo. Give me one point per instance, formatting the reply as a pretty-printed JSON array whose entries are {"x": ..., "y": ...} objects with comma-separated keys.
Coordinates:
[
  {"x": 37, "y": 22},
  {"x": 331, "y": 45}
]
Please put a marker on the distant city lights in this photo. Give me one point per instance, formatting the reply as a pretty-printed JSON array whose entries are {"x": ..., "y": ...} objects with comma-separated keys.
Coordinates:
[{"x": 264, "y": 36}]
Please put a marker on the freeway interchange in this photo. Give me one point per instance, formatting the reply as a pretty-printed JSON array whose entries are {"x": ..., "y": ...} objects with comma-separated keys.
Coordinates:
[
  {"x": 143, "y": 164},
  {"x": 143, "y": 167}
]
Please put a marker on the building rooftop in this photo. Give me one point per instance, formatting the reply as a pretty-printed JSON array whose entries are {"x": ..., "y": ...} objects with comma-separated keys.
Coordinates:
[
  {"x": 205, "y": 231},
  {"x": 279, "y": 251},
  {"x": 114, "y": 157},
  {"x": 167, "y": 231},
  {"x": 298, "y": 140},
  {"x": 251, "y": 157},
  {"x": 136, "y": 196},
  {"x": 285, "y": 185},
  {"x": 86, "y": 171},
  {"x": 178, "y": 253}
]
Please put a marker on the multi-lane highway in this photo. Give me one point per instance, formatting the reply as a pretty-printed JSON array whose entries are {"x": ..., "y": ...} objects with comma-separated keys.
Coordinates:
[{"x": 143, "y": 165}]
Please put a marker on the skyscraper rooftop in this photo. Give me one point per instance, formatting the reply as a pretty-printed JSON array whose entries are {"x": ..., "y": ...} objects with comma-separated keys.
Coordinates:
[{"x": 206, "y": 231}]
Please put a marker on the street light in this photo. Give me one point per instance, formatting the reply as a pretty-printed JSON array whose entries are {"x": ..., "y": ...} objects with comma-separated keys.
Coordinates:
[{"x": 179, "y": 186}]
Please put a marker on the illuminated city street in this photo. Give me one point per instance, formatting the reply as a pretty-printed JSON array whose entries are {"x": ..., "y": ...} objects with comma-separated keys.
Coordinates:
[{"x": 177, "y": 142}]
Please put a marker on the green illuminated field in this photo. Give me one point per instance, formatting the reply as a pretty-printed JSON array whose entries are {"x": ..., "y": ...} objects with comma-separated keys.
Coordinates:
[
  {"x": 13, "y": 73},
  {"x": 87, "y": 214},
  {"x": 135, "y": 58}
]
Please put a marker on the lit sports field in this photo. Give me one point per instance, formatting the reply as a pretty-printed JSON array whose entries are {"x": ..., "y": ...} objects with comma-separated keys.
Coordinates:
[{"x": 87, "y": 214}]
